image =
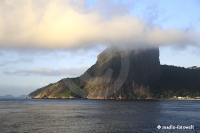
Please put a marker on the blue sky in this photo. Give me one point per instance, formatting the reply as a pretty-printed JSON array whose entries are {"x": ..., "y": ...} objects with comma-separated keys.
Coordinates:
[{"x": 42, "y": 41}]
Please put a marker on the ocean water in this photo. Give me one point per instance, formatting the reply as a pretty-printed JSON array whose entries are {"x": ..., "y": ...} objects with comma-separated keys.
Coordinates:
[{"x": 98, "y": 116}]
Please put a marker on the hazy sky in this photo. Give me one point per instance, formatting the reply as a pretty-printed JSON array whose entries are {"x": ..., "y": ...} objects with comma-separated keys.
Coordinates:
[{"x": 43, "y": 41}]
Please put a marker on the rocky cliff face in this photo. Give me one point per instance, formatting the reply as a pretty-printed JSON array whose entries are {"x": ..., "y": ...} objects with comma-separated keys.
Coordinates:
[
  {"x": 116, "y": 74},
  {"x": 122, "y": 74}
]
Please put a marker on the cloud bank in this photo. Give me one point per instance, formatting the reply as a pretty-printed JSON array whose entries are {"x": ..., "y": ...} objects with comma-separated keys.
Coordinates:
[
  {"x": 11, "y": 62},
  {"x": 72, "y": 72},
  {"x": 70, "y": 25}
]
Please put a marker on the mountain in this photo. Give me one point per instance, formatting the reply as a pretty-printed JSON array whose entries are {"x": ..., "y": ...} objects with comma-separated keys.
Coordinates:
[
  {"x": 116, "y": 74},
  {"x": 131, "y": 74},
  {"x": 122, "y": 74}
]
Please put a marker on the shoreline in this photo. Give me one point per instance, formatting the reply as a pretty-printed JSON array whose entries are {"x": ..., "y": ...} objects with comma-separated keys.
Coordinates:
[
  {"x": 98, "y": 99},
  {"x": 122, "y": 99}
]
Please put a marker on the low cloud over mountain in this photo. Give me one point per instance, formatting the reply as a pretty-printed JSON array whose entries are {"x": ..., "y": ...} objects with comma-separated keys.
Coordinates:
[{"x": 72, "y": 24}]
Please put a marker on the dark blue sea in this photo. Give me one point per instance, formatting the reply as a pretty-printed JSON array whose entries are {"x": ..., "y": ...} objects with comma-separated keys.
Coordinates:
[{"x": 99, "y": 116}]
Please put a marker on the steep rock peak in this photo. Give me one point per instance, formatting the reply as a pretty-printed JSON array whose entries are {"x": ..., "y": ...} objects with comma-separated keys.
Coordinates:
[{"x": 105, "y": 79}]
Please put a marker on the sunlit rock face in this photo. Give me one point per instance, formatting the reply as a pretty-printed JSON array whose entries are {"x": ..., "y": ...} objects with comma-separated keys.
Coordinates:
[
  {"x": 122, "y": 74},
  {"x": 117, "y": 74}
]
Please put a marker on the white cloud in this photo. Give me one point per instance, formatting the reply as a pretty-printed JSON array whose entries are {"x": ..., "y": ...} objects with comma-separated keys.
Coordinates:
[
  {"x": 71, "y": 72},
  {"x": 69, "y": 24},
  {"x": 17, "y": 61},
  {"x": 44, "y": 83}
]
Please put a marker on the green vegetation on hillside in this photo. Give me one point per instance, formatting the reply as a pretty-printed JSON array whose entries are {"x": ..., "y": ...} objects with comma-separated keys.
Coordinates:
[
  {"x": 36, "y": 92},
  {"x": 176, "y": 81}
]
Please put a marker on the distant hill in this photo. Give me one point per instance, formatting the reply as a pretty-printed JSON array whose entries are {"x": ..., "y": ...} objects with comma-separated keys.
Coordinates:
[
  {"x": 7, "y": 96},
  {"x": 11, "y": 96}
]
